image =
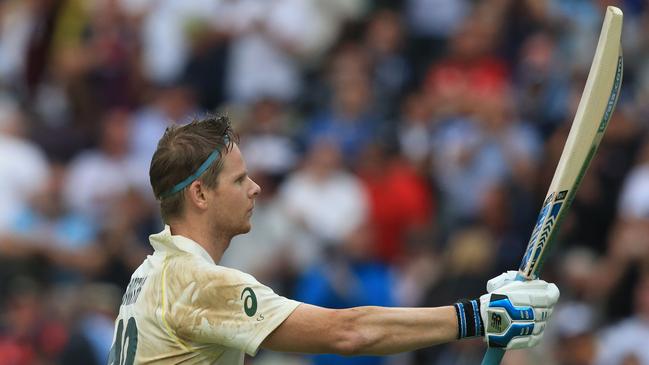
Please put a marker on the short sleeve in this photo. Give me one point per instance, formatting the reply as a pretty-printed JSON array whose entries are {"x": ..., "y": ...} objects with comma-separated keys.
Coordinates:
[{"x": 209, "y": 304}]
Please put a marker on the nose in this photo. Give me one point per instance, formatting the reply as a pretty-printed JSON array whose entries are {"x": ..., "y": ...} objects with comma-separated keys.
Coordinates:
[{"x": 256, "y": 189}]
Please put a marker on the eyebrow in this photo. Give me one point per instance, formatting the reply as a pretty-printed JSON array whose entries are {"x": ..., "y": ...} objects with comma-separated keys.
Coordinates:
[{"x": 241, "y": 175}]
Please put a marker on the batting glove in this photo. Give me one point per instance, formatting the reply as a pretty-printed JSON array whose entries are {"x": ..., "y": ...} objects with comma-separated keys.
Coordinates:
[
  {"x": 512, "y": 315},
  {"x": 515, "y": 314}
]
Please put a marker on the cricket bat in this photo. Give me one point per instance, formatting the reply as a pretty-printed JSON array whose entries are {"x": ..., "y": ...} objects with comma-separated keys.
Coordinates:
[{"x": 593, "y": 114}]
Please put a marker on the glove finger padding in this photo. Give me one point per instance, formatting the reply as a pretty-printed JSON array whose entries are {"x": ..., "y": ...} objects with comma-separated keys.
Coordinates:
[
  {"x": 500, "y": 280},
  {"x": 515, "y": 314}
]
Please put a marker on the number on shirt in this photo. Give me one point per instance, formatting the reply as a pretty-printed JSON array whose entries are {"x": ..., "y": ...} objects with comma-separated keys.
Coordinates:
[{"x": 123, "y": 350}]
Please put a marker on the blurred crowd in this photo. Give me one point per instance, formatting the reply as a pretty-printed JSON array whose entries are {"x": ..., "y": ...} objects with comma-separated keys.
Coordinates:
[{"x": 404, "y": 149}]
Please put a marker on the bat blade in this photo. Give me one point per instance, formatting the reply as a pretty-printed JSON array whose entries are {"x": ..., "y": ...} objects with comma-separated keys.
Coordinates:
[
  {"x": 595, "y": 108},
  {"x": 593, "y": 114}
]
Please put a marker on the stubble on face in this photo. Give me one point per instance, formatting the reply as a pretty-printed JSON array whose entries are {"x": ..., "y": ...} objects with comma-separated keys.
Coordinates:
[{"x": 233, "y": 197}]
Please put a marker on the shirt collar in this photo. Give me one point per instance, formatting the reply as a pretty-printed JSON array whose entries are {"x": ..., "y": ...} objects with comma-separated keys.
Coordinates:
[{"x": 165, "y": 241}]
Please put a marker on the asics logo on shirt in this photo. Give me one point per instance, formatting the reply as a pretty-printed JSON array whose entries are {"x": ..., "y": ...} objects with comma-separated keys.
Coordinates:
[{"x": 249, "y": 302}]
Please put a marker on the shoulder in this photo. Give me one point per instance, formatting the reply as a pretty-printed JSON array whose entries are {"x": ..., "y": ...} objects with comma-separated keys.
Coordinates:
[{"x": 190, "y": 269}]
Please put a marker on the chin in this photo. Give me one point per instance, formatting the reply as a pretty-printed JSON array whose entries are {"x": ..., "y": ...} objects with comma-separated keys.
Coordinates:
[{"x": 244, "y": 229}]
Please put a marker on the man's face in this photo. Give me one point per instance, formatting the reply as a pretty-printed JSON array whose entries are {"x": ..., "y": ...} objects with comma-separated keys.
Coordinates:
[{"x": 233, "y": 199}]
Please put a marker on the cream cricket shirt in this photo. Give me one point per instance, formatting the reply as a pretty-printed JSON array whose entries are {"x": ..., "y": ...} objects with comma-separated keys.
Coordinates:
[{"x": 182, "y": 308}]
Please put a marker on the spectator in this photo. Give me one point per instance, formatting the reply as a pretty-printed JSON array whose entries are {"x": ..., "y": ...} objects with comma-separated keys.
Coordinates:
[
  {"x": 405, "y": 212},
  {"x": 163, "y": 31},
  {"x": 98, "y": 175},
  {"x": 414, "y": 131},
  {"x": 391, "y": 70},
  {"x": 23, "y": 167},
  {"x": 431, "y": 23},
  {"x": 575, "y": 343},
  {"x": 348, "y": 277},
  {"x": 47, "y": 227},
  {"x": 323, "y": 201},
  {"x": 349, "y": 120},
  {"x": 206, "y": 68},
  {"x": 507, "y": 215},
  {"x": 543, "y": 87},
  {"x": 630, "y": 337},
  {"x": 171, "y": 104},
  {"x": 28, "y": 335},
  {"x": 470, "y": 71},
  {"x": 17, "y": 21},
  {"x": 89, "y": 343},
  {"x": 271, "y": 39},
  {"x": 469, "y": 258},
  {"x": 265, "y": 42},
  {"x": 472, "y": 154},
  {"x": 267, "y": 144},
  {"x": 634, "y": 199},
  {"x": 122, "y": 238}
]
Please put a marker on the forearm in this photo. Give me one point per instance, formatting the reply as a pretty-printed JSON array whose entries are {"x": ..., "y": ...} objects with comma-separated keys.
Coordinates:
[
  {"x": 363, "y": 330},
  {"x": 381, "y": 331}
]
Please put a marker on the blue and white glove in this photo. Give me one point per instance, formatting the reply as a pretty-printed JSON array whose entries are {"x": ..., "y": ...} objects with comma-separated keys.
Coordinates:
[{"x": 512, "y": 315}]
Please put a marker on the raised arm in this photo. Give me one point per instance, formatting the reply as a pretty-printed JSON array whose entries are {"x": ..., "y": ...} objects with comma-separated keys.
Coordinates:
[
  {"x": 363, "y": 330},
  {"x": 516, "y": 311}
]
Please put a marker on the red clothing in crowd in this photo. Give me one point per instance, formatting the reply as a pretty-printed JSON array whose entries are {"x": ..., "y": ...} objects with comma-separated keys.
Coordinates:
[{"x": 400, "y": 201}]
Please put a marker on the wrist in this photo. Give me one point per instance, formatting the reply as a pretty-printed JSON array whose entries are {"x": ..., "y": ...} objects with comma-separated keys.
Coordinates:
[{"x": 469, "y": 320}]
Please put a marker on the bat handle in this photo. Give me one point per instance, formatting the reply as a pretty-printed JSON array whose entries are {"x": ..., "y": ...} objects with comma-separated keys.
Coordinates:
[{"x": 493, "y": 356}]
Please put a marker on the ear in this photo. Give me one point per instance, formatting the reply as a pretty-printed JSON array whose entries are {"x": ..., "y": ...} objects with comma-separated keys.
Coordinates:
[{"x": 196, "y": 195}]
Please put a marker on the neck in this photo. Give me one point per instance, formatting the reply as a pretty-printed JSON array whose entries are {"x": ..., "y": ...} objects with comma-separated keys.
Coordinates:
[{"x": 214, "y": 243}]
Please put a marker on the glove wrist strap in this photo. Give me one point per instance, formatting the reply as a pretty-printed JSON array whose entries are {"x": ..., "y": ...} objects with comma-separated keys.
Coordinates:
[{"x": 469, "y": 321}]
